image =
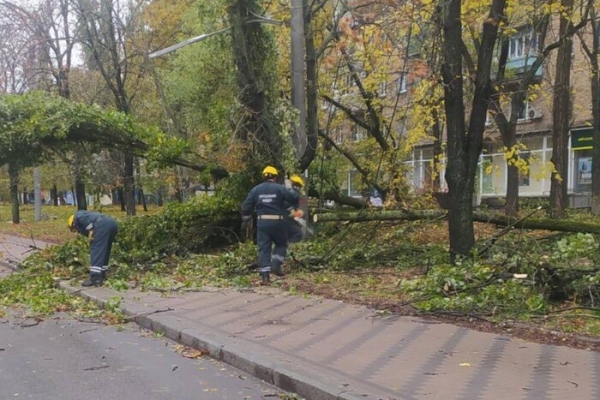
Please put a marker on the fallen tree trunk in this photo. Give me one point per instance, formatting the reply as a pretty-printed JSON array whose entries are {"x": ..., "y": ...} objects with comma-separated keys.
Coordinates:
[
  {"x": 497, "y": 219},
  {"x": 338, "y": 198}
]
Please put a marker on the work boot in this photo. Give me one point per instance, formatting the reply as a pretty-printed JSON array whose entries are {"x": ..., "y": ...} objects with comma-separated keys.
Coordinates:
[
  {"x": 95, "y": 280},
  {"x": 277, "y": 271},
  {"x": 265, "y": 279},
  {"x": 104, "y": 274}
]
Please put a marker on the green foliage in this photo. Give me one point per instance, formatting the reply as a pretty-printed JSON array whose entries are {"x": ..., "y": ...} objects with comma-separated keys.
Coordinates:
[
  {"x": 236, "y": 186},
  {"x": 35, "y": 285},
  {"x": 229, "y": 267},
  {"x": 474, "y": 288},
  {"x": 575, "y": 247},
  {"x": 36, "y": 291},
  {"x": 72, "y": 255},
  {"x": 34, "y": 123},
  {"x": 192, "y": 226}
]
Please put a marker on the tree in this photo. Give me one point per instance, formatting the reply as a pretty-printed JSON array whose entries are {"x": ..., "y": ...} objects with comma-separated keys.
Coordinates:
[
  {"x": 592, "y": 51},
  {"x": 465, "y": 142},
  {"x": 54, "y": 34},
  {"x": 108, "y": 28},
  {"x": 258, "y": 124},
  {"x": 561, "y": 114},
  {"x": 312, "y": 113},
  {"x": 18, "y": 66},
  {"x": 378, "y": 90},
  {"x": 539, "y": 48},
  {"x": 517, "y": 94}
]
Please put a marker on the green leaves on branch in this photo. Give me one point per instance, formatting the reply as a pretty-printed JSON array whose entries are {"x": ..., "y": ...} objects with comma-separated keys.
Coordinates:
[
  {"x": 34, "y": 125},
  {"x": 197, "y": 225},
  {"x": 476, "y": 288}
]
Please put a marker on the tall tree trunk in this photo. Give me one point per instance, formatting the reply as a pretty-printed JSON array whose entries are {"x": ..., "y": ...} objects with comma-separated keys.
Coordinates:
[
  {"x": 77, "y": 168},
  {"x": 13, "y": 174},
  {"x": 253, "y": 46},
  {"x": 121, "y": 198},
  {"x": 312, "y": 112},
  {"x": 464, "y": 150},
  {"x": 54, "y": 195},
  {"x": 561, "y": 116},
  {"x": 129, "y": 183},
  {"x": 143, "y": 200},
  {"x": 460, "y": 223},
  {"x": 80, "y": 197},
  {"x": 511, "y": 207},
  {"x": 438, "y": 152},
  {"x": 508, "y": 129}
]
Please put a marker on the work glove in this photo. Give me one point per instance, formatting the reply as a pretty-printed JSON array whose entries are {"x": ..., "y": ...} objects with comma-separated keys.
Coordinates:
[
  {"x": 91, "y": 235},
  {"x": 298, "y": 213},
  {"x": 247, "y": 226}
]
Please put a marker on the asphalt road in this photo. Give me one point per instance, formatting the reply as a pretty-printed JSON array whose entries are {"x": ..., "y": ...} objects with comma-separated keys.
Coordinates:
[{"x": 65, "y": 359}]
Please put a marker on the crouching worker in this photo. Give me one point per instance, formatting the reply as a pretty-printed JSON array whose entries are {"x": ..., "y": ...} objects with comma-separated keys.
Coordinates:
[
  {"x": 270, "y": 201},
  {"x": 101, "y": 230}
]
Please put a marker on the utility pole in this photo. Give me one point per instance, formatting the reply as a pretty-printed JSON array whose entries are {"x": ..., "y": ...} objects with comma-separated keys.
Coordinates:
[
  {"x": 299, "y": 90},
  {"x": 297, "y": 67}
]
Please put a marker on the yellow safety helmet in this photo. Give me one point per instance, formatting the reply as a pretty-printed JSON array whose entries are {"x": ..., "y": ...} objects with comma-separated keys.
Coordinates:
[
  {"x": 297, "y": 180},
  {"x": 269, "y": 171},
  {"x": 71, "y": 220}
]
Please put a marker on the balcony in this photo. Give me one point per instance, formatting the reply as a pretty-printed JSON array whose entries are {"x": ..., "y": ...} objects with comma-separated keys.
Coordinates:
[{"x": 519, "y": 66}]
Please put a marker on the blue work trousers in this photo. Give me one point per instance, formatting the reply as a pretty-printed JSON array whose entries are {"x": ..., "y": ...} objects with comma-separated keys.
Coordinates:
[
  {"x": 272, "y": 244},
  {"x": 105, "y": 231}
]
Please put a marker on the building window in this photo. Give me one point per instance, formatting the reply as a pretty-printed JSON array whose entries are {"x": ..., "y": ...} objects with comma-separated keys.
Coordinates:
[
  {"x": 486, "y": 173},
  {"x": 354, "y": 183},
  {"x": 358, "y": 133},
  {"x": 381, "y": 92},
  {"x": 524, "y": 172},
  {"x": 523, "y": 44},
  {"x": 338, "y": 135},
  {"x": 402, "y": 87},
  {"x": 348, "y": 83}
]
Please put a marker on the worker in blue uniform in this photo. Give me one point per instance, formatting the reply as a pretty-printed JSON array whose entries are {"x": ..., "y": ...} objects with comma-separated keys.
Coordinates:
[
  {"x": 270, "y": 200},
  {"x": 295, "y": 224},
  {"x": 101, "y": 230}
]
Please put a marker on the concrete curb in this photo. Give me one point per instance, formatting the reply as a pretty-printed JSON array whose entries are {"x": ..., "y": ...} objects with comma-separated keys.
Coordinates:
[
  {"x": 12, "y": 266},
  {"x": 247, "y": 357}
]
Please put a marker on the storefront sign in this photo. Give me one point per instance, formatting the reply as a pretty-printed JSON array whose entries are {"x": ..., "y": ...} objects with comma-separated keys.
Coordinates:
[{"x": 582, "y": 139}]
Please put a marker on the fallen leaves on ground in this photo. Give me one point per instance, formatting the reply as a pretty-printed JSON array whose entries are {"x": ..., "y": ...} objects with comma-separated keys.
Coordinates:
[{"x": 189, "y": 352}]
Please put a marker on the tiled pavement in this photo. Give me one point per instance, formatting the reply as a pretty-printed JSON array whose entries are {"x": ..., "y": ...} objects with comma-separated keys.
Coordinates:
[
  {"x": 326, "y": 349},
  {"x": 358, "y": 352}
]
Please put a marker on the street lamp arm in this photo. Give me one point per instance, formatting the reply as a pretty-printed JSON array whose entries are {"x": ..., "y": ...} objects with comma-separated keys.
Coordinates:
[
  {"x": 262, "y": 18},
  {"x": 186, "y": 42},
  {"x": 200, "y": 38}
]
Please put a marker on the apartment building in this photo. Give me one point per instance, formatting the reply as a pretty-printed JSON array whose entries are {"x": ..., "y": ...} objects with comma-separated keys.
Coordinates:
[
  {"x": 534, "y": 130},
  {"x": 534, "y": 125}
]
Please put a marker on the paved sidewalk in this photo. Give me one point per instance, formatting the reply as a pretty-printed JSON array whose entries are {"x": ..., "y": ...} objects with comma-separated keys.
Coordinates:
[
  {"x": 325, "y": 349},
  {"x": 13, "y": 249}
]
